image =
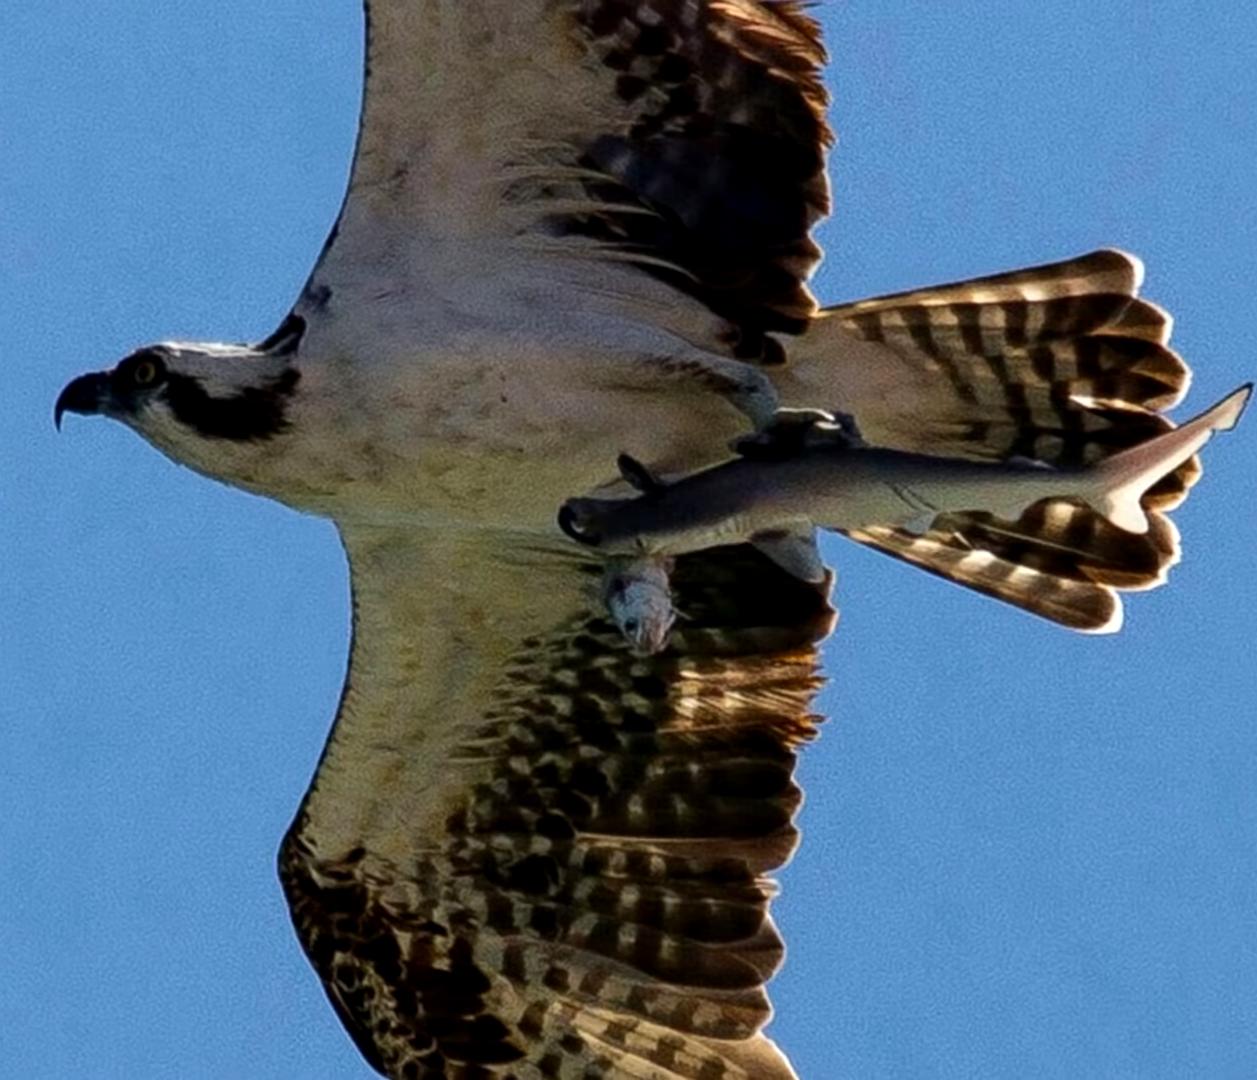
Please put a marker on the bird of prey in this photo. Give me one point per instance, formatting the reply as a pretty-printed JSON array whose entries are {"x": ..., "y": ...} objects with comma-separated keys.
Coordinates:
[{"x": 576, "y": 229}]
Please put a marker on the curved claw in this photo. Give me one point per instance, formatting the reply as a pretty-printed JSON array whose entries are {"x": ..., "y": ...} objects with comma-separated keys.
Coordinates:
[{"x": 794, "y": 430}]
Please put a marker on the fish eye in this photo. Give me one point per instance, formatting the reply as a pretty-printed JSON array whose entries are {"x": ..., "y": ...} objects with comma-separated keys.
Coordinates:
[{"x": 144, "y": 370}]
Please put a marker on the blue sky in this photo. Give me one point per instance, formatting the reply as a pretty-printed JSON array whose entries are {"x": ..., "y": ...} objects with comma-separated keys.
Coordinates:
[{"x": 1026, "y": 853}]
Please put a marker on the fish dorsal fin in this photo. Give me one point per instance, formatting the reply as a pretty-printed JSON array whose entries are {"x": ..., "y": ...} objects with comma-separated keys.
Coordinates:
[
  {"x": 794, "y": 551},
  {"x": 638, "y": 476}
]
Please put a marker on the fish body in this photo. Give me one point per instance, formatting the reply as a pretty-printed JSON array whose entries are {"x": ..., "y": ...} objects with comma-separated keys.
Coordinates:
[
  {"x": 638, "y": 596},
  {"x": 845, "y": 487}
]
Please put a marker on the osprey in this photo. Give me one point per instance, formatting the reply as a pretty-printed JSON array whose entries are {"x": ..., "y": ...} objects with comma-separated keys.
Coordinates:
[{"x": 574, "y": 229}]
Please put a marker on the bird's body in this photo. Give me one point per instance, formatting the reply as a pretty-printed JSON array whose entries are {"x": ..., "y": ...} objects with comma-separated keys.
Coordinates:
[
  {"x": 437, "y": 426},
  {"x": 574, "y": 229}
]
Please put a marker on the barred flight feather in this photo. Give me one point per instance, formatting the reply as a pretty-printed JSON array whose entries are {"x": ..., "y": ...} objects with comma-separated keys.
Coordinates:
[
  {"x": 1061, "y": 363},
  {"x": 1061, "y": 560},
  {"x": 592, "y": 901}
]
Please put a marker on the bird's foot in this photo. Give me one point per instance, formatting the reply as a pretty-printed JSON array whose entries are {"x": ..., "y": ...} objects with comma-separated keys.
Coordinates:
[{"x": 793, "y": 430}]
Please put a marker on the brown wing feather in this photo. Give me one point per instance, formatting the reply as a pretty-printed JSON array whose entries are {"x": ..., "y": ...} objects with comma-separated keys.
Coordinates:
[
  {"x": 727, "y": 145},
  {"x": 686, "y": 137},
  {"x": 591, "y": 901}
]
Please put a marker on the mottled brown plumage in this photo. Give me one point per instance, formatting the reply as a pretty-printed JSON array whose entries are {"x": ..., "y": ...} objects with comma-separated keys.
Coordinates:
[
  {"x": 579, "y": 228},
  {"x": 725, "y": 147},
  {"x": 592, "y": 900}
]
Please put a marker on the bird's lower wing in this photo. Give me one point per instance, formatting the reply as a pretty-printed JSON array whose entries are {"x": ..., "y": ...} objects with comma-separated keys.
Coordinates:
[{"x": 529, "y": 852}]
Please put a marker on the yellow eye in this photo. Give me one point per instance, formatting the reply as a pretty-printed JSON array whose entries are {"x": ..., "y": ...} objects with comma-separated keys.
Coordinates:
[{"x": 143, "y": 371}]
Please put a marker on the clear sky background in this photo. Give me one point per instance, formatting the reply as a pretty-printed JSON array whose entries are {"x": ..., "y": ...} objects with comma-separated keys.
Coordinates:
[{"x": 1027, "y": 854}]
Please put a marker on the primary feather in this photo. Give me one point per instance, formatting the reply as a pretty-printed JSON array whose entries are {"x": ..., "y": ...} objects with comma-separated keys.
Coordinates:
[{"x": 558, "y": 867}]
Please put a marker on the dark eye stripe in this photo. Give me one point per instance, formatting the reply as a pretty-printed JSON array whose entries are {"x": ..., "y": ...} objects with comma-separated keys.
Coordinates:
[{"x": 255, "y": 412}]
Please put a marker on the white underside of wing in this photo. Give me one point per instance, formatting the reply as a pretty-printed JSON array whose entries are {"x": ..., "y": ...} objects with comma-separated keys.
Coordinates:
[{"x": 456, "y": 90}]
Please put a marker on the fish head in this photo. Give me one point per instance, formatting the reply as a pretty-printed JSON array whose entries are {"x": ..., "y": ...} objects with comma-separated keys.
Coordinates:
[{"x": 599, "y": 523}]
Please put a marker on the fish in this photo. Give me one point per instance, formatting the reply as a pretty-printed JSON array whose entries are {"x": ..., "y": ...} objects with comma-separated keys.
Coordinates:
[
  {"x": 638, "y": 596},
  {"x": 776, "y": 503}
]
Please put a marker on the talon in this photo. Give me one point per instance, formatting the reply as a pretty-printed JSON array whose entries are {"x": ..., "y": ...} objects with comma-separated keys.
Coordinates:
[{"x": 790, "y": 431}]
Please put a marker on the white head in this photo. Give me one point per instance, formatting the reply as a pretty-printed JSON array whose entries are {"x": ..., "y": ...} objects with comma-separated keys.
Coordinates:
[{"x": 215, "y": 408}]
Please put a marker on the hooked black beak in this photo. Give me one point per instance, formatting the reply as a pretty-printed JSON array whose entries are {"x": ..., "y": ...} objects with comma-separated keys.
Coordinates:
[{"x": 85, "y": 396}]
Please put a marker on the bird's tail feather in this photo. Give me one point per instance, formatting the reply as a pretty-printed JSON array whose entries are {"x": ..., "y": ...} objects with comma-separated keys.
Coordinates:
[
  {"x": 1067, "y": 559},
  {"x": 1060, "y": 560},
  {"x": 1062, "y": 363},
  {"x": 1054, "y": 363}
]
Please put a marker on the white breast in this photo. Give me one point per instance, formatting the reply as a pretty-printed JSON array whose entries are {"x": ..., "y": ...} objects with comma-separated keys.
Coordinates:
[{"x": 493, "y": 405}]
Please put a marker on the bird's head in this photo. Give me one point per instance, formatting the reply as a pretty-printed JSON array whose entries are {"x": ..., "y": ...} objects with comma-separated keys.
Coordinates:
[{"x": 212, "y": 407}]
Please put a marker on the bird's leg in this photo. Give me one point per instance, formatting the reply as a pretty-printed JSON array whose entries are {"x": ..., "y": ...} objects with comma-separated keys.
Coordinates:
[
  {"x": 779, "y": 432},
  {"x": 638, "y": 596},
  {"x": 746, "y": 388}
]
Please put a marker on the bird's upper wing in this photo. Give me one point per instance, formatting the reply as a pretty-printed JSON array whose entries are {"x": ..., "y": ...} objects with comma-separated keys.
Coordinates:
[
  {"x": 528, "y": 852},
  {"x": 684, "y": 136}
]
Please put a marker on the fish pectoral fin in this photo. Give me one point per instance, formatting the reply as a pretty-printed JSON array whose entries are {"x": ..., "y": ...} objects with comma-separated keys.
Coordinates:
[
  {"x": 921, "y": 524},
  {"x": 924, "y": 512},
  {"x": 794, "y": 551}
]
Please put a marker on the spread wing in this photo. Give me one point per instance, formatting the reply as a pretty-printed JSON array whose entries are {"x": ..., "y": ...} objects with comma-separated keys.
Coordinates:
[
  {"x": 529, "y": 852},
  {"x": 685, "y": 137}
]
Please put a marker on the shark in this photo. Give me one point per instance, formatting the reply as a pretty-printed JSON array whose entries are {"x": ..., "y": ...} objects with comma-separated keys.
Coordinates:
[{"x": 840, "y": 484}]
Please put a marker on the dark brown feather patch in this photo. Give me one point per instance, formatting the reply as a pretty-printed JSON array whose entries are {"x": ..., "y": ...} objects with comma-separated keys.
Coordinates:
[
  {"x": 726, "y": 148},
  {"x": 598, "y": 896}
]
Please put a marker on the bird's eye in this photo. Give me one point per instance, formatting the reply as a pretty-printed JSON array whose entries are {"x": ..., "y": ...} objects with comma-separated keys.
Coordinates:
[{"x": 145, "y": 371}]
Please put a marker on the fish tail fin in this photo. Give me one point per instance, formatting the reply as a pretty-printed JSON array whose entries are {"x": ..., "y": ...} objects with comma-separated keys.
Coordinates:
[
  {"x": 1069, "y": 560},
  {"x": 1120, "y": 481}
]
